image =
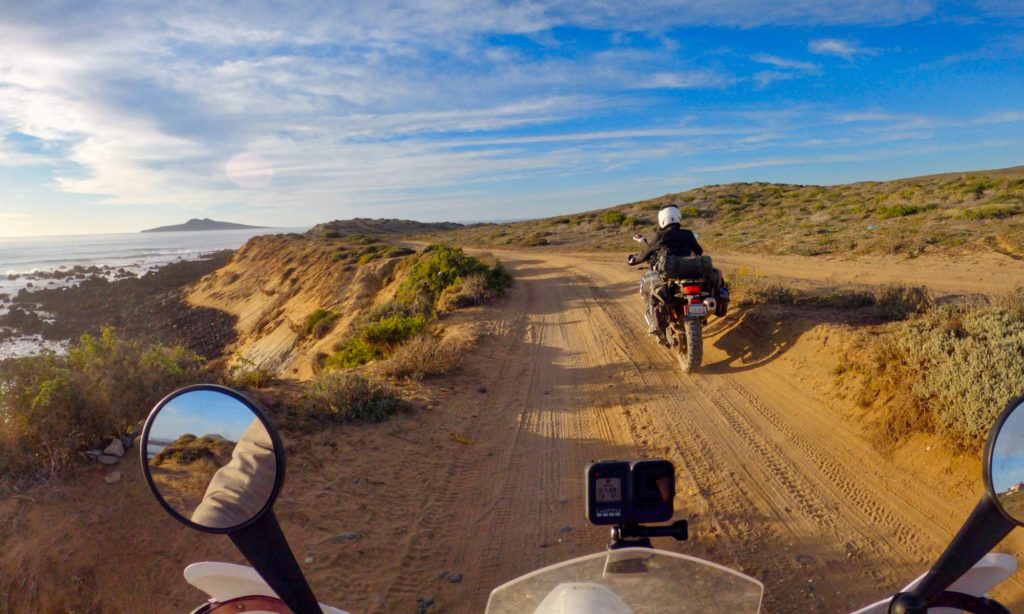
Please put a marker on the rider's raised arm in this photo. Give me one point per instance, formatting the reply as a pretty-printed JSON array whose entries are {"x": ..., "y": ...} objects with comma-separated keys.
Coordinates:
[{"x": 240, "y": 488}]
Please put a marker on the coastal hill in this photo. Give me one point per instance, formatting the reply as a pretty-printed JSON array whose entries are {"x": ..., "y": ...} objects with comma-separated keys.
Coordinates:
[
  {"x": 379, "y": 227},
  {"x": 976, "y": 211},
  {"x": 203, "y": 224}
]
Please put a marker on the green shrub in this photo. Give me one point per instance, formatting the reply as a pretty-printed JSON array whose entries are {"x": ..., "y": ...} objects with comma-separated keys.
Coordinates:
[
  {"x": 398, "y": 252},
  {"x": 318, "y": 323},
  {"x": 246, "y": 373},
  {"x": 370, "y": 253},
  {"x": 613, "y": 218},
  {"x": 533, "y": 241},
  {"x": 188, "y": 448},
  {"x": 53, "y": 406},
  {"x": 990, "y": 212},
  {"x": 345, "y": 397},
  {"x": 392, "y": 330},
  {"x": 441, "y": 266},
  {"x": 688, "y": 212},
  {"x": 353, "y": 353},
  {"x": 899, "y": 210}
]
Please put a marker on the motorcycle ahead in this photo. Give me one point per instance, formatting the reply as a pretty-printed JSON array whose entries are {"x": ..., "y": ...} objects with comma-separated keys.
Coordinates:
[
  {"x": 226, "y": 480},
  {"x": 679, "y": 300}
]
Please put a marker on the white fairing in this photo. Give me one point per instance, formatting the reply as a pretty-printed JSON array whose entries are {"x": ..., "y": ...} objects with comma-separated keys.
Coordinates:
[
  {"x": 983, "y": 577},
  {"x": 629, "y": 581},
  {"x": 582, "y": 598},
  {"x": 226, "y": 581}
]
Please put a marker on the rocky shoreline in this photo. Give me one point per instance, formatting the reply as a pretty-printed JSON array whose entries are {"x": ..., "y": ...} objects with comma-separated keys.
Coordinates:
[{"x": 150, "y": 307}]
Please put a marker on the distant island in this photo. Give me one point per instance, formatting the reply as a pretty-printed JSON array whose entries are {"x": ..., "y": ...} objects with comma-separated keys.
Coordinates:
[{"x": 203, "y": 224}]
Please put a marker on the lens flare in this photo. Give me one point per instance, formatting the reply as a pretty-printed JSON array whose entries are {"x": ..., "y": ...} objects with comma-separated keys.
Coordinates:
[{"x": 249, "y": 171}]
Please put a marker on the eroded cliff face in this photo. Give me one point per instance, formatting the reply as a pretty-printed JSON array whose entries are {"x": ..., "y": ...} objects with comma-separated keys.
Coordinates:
[{"x": 274, "y": 283}]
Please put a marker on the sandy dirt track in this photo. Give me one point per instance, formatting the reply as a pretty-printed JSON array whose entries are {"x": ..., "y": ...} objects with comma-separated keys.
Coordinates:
[
  {"x": 484, "y": 481},
  {"x": 773, "y": 482}
]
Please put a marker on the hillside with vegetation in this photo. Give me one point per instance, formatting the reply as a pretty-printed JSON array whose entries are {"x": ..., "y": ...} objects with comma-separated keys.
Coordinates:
[
  {"x": 381, "y": 227},
  {"x": 981, "y": 210}
]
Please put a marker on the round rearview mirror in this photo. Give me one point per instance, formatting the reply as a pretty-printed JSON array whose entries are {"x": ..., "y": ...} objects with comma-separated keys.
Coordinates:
[
  {"x": 1004, "y": 462},
  {"x": 212, "y": 458}
]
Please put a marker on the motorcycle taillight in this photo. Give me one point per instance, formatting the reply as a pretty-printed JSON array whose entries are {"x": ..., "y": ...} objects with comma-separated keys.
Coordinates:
[{"x": 691, "y": 289}]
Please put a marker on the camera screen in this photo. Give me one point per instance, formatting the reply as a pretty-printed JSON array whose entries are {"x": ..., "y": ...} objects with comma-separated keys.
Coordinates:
[{"x": 609, "y": 490}]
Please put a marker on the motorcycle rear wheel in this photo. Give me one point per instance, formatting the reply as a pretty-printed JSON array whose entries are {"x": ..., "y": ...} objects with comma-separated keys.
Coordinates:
[{"x": 690, "y": 345}]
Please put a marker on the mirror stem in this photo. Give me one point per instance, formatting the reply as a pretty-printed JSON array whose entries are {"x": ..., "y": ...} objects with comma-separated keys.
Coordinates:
[
  {"x": 982, "y": 532},
  {"x": 265, "y": 547}
]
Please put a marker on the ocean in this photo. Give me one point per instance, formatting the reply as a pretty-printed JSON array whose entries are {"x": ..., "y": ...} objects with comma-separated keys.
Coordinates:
[{"x": 30, "y": 262}]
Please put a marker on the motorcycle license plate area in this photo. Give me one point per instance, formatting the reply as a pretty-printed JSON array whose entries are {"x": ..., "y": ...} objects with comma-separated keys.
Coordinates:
[
  {"x": 629, "y": 581},
  {"x": 697, "y": 310}
]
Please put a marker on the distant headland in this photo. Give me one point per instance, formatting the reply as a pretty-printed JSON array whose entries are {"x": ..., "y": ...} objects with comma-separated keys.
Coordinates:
[{"x": 203, "y": 224}]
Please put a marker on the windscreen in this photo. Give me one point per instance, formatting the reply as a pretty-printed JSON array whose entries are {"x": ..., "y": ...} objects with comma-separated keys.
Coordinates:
[{"x": 646, "y": 581}]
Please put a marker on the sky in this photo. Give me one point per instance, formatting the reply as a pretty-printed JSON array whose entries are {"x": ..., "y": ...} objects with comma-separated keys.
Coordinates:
[
  {"x": 119, "y": 116},
  {"x": 202, "y": 412}
]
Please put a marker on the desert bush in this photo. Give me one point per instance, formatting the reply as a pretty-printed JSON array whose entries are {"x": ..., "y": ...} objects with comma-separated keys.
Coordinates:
[
  {"x": 398, "y": 252},
  {"x": 441, "y": 266},
  {"x": 899, "y": 210},
  {"x": 753, "y": 289},
  {"x": 990, "y": 212},
  {"x": 1012, "y": 303},
  {"x": 688, "y": 212},
  {"x": 52, "y": 406},
  {"x": 353, "y": 353},
  {"x": 613, "y": 218},
  {"x": 950, "y": 370},
  {"x": 897, "y": 302},
  {"x": 188, "y": 448},
  {"x": 392, "y": 330},
  {"x": 533, "y": 241},
  {"x": 244, "y": 373},
  {"x": 426, "y": 355},
  {"x": 851, "y": 299},
  {"x": 318, "y": 323},
  {"x": 344, "y": 397}
]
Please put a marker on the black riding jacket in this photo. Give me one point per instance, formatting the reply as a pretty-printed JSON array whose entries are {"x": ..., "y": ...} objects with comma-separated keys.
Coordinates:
[{"x": 675, "y": 240}]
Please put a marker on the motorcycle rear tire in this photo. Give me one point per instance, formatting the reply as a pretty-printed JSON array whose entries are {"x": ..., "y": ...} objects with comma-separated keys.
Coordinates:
[{"x": 691, "y": 346}]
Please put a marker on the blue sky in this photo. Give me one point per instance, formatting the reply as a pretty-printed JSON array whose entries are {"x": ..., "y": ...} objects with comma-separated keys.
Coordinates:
[
  {"x": 117, "y": 116},
  {"x": 202, "y": 412}
]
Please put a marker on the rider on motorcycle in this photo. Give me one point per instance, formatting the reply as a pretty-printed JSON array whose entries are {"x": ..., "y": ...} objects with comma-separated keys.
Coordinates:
[{"x": 672, "y": 239}]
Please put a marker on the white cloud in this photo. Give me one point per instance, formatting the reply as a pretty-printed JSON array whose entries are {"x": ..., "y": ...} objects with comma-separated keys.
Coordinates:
[
  {"x": 785, "y": 63},
  {"x": 1001, "y": 118},
  {"x": 845, "y": 49}
]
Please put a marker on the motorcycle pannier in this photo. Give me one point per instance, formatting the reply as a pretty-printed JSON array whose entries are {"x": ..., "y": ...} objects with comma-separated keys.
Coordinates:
[{"x": 686, "y": 267}]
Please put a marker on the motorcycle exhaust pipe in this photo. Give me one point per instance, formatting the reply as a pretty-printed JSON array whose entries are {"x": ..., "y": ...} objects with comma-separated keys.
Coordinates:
[{"x": 711, "y": 303}]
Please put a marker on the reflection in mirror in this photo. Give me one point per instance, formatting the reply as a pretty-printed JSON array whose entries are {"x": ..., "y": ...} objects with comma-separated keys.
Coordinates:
[
  {"x": 211, "y": 459},
  {"x": 1007, "y": 468}
]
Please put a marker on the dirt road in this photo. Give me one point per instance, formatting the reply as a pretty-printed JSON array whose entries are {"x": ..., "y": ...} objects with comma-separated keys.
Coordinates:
[
  {"x": 773, "y": 482},
  {"x": 483, "y": 481}
]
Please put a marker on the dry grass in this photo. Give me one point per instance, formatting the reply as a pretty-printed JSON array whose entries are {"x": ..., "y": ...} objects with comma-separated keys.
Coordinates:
[
  {"x": 344, "y": 396},
  {"x": 427, "y": 356}
]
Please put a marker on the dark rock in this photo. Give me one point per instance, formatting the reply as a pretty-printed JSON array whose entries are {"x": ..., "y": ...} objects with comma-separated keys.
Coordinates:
[
  {"x": 481, "y": 389},
  {"x": 455, "y": 579},
  {"x": 126, "y": 441}
]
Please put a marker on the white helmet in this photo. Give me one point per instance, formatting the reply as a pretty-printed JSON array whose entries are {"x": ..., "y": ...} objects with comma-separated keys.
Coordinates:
[{"x": 669, "y": 215}]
